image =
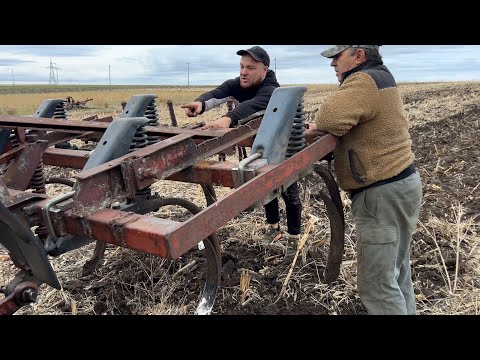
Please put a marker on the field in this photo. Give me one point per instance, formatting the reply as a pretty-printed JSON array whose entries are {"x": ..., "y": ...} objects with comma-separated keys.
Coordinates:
[{"x": 445, "y": 250}]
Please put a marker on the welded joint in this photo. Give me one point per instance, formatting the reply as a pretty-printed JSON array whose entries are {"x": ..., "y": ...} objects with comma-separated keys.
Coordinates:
[
  {"x": 87, "y": 228},
  {"x": 129, "y": 177},
  {"x": 147, "y": 174},
  {"x": 117, "y": 226}
]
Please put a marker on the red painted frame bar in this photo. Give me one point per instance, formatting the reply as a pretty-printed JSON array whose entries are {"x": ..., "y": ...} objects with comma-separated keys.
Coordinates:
[{"x": 170, "y": 239}]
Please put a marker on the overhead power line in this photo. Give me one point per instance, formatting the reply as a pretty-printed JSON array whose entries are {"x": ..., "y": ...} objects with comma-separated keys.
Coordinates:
[{"x": 52, "y": 79}]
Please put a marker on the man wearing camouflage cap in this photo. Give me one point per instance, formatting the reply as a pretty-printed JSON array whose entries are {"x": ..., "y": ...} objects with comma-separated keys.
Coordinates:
[{"x": 374, "y": 163}]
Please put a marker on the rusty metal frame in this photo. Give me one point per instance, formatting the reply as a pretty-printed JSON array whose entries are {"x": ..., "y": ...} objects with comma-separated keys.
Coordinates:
[{"x": 182, "y": 155}]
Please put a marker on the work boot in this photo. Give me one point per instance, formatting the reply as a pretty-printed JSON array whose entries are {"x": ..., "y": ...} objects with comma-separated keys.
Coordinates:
[
  {"x": 66, "y": 145},
  {"x": 292, "y": 241},
  {"x": 272, "y": 235}
]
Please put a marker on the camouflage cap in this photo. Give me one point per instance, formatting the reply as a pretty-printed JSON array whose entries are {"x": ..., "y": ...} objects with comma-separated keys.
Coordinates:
[{"x": 337, "y": 49}]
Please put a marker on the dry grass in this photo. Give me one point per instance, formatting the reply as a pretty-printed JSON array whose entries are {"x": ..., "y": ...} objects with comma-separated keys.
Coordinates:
[
  {"x": 460, "y": 239},
  {"x": 103, "y": 100}
]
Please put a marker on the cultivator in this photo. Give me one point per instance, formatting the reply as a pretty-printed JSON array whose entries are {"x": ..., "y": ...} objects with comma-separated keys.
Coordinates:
[{"x": 111, "y": 197}]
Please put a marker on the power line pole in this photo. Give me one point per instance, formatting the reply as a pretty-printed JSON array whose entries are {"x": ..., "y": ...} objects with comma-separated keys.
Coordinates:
[
  {"x": 188, "y": 74},
  {"x": 56, "y": 71},
  {"x": 52, "y": 74},
  {"x": 275, "y": 64},
  {"x": 109, "y": 77},
  {"x": 51, "y": 79},
  {"x": 13, "y": 79}
]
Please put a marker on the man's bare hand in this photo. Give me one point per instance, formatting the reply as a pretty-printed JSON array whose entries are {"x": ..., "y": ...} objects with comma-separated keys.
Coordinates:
[
  {"x": 192, "y": 109},
  {"x": 311, "y": 126},
  {"x": 222, "y": 123}
]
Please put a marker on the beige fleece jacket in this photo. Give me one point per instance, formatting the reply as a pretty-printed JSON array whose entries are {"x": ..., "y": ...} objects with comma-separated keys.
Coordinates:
[{"x": 374, "y": 134}]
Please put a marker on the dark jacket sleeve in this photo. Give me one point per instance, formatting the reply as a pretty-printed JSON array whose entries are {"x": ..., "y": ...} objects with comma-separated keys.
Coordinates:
[
  {"x": 245, "y": 108},
  {"x": 248, "y": 107},
  {"x": 224, "y": 90}
]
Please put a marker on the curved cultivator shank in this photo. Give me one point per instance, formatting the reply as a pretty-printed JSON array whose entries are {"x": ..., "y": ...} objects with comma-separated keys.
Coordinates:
[{"x": 337, "y": 223}]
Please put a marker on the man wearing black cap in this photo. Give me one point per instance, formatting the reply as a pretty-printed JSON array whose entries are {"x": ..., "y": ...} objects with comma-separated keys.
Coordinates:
[
  {"x": 252, "y": 90},
  {"x": 374, "y": 162}
]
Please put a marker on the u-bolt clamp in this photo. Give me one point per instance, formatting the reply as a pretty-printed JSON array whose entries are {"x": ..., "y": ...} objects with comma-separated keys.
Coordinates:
[
  {"x": 245, "y": 162},
  {"x": 46, "y": 212}
]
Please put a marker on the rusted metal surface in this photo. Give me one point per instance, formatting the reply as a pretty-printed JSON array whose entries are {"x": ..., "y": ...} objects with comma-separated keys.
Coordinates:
[
  {"x": 134, "y": 231},
  {"x": 207, "y": 172},
  {"x": 71, "y": 103},
  {"x": 75, "y": 159},
  {"x": 173, "y": 118},
  {"x": 11, "y": 153},
  {"x": 204, "y": 172},
  {"x": 21, "y": 169},
  {"x": 24, "y": 293},
  {"x": 97, "y": 119},
  {"x": 183, "y": 238},
  {"x": 59, "y": 137},
  {"x": 171, "y": 239},
  {"x": 51, "y": 124},
  {"x": 17, "y": 198},
  {"x": 103, "y": 184},
  {"x": 64, "y": 125},
  {"x": 180, "y": 155}
]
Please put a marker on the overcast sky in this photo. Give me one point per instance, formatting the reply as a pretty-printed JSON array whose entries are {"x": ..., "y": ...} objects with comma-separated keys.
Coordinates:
[{"x": 213, "y": 64}]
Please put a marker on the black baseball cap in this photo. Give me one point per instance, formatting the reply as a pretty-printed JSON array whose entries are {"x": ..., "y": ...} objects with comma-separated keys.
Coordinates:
[{"x": 257, "y": 53}]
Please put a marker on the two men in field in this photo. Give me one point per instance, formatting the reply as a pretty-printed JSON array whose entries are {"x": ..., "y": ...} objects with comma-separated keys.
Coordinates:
[{"x": 374, "y": 163}]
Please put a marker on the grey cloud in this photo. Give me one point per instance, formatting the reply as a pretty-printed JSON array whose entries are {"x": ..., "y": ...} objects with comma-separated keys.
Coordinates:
[
  {"x": 13, "y": 62},
  {"x": 52, "y": 50},
  {"x": 213, "y": 64}
]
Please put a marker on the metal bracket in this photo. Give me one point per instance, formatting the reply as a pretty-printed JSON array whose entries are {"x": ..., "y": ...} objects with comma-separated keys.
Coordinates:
[{"x": 276, "y": 127}]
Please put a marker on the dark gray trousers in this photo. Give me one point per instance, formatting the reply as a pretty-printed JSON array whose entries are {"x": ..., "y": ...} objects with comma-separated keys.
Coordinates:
[{"x": 385, "y": 218}]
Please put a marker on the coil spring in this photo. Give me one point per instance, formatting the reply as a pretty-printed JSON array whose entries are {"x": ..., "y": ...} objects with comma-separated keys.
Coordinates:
[
  {"x": 139, "y": 139},
  {"x": 297, "y": 140},
  {"x": 37, "y": 183},
  {"x": 60, "y": 111},
  {"x": 14, "y": 139},
  {"x": 152, "y": 115}
]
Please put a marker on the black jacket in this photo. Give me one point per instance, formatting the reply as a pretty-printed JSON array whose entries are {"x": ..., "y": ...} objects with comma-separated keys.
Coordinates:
[{"x": 251, "y": 100}]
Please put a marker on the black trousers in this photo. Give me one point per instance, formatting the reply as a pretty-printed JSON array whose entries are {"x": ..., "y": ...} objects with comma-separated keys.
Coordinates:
[{"x": 293, "y": 206}]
